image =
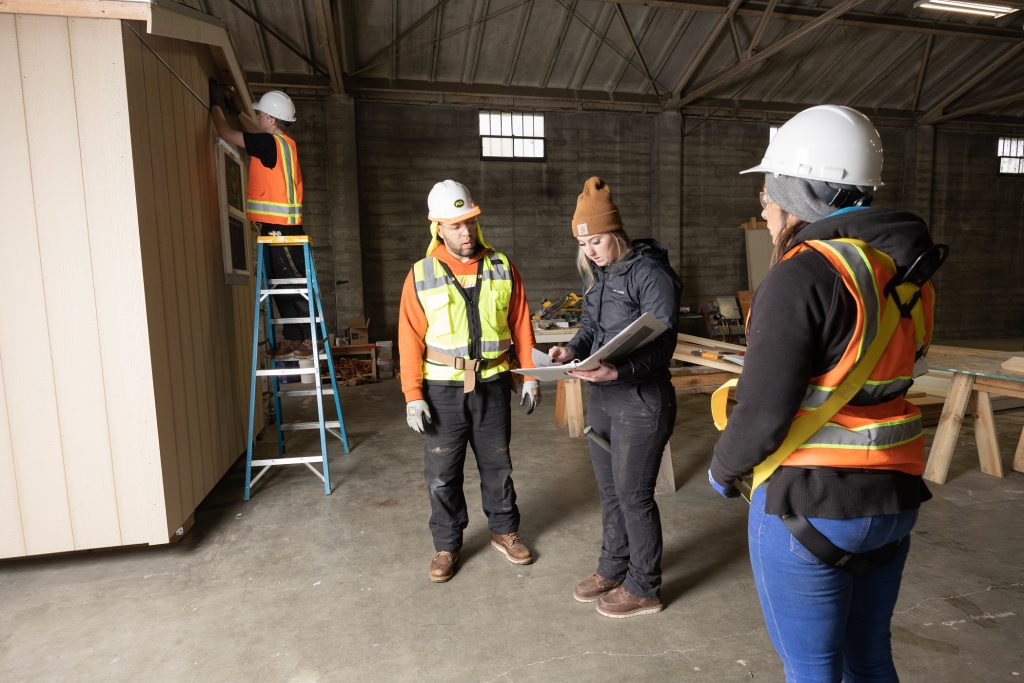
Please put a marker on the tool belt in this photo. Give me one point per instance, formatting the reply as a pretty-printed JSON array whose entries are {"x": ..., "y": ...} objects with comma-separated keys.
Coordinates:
[
  {"x": 859, "y": 564},
  {"x": 469, "y": 366}
]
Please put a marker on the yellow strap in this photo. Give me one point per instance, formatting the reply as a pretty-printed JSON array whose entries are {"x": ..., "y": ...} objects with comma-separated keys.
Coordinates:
[
  {"x": 719, "y": 402},
  {"x": 806, "y": 425}
]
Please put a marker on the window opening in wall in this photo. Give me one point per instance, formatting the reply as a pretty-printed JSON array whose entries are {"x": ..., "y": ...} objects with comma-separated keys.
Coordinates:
[
  {"x": 1011, "y": 155},
  {"x": 234, "y": 227},
  {"x": 508, "y": 135}
]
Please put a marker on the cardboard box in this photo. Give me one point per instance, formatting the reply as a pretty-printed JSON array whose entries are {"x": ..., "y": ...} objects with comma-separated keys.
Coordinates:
[{"x": 359, "y": 330}]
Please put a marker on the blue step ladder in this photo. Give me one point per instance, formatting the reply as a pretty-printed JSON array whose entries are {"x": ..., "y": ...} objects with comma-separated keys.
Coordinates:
[{"x": 308, "y": 288}]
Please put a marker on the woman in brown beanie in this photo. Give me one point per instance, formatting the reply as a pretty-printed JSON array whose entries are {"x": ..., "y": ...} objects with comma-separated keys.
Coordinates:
[{"x": 632, "y": 403}]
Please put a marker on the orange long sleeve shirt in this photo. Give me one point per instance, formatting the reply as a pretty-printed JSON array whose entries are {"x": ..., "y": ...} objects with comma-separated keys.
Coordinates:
[{"x": 412, "y": 322}]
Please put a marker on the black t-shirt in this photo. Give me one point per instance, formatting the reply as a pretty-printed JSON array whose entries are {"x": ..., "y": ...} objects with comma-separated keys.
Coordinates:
[{"x": 262, "y": 146}]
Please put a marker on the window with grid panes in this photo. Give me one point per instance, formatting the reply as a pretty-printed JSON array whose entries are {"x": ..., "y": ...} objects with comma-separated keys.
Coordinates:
[
  {"x": 511, "y": 136},
  {"x": 1011, "y": 155}
]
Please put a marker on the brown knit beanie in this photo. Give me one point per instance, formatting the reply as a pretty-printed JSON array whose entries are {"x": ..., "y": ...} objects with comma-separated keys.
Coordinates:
[{"x": 595, "y": 211}]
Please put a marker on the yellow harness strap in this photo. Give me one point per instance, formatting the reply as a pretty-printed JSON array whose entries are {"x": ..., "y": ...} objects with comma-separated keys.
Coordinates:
[{"x": 806, "y": 425}]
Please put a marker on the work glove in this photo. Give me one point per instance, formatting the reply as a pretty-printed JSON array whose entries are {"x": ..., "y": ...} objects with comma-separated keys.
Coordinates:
[
  {"x": 530, "y": 398},
  {"x": 726, "y": 491},
  {"x": 417, "y": 415}
]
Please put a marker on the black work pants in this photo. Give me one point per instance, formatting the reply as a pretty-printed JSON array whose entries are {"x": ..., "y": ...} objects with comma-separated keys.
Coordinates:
[
  {"x": 287, "y": 262},
  {"x": 637, "y": 420},
  {"x": 483, "y": 420}
]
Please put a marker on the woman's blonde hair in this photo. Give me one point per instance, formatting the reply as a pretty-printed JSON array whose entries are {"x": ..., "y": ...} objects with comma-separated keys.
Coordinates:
[{"x": 586, "y": 267}]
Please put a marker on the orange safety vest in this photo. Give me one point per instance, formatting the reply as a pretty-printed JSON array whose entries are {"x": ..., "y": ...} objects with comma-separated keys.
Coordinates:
[
  {"x": 883, "y": 430},
  {"x": 274, "y": 195}
]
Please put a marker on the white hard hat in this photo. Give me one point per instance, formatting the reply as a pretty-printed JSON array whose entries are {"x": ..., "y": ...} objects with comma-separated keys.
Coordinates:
[
  {"x": 277, "y": 104},
  {"x": 829, "y": 143},
  {"x": 450, "y": 202}
]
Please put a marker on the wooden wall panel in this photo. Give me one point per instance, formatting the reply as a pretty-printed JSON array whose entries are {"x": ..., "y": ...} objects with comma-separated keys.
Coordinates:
[
  {"x": 16, "y": 195},
  {"x": 201, "y": 360},
  {"x": 146, "y": 206},
  {"x": 64, "y": 253},
  {"x": 102, "y": 108}
]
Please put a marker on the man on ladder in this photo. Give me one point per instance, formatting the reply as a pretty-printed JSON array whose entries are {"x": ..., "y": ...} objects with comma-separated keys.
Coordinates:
[{"x": 274, "y": 202}]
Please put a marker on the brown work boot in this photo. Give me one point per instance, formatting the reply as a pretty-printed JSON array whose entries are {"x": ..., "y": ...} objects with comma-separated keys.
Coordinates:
[
  {"x": 303, "y": 349},
  {"x": 283, "y": 350},
  {"x": 620, "y": 603},
  {"x": 589, "y": 590},
  {"x": 512, "y": 547},
  {"x": 442, "y": 567}
]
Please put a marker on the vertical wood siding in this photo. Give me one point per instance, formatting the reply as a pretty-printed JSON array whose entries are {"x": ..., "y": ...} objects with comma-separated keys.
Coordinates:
[
  {"x": 124, "y": 357},
  {"x": 78, "y": 455},
  {"x": 200, "y": 328}
]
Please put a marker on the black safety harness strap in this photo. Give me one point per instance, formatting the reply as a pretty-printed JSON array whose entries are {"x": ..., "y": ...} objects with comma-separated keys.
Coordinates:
[{"x": 859, "y": 564}]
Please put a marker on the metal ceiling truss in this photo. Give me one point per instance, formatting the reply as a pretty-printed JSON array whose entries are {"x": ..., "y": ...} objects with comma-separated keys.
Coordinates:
[{"x": 335, "y": 22}]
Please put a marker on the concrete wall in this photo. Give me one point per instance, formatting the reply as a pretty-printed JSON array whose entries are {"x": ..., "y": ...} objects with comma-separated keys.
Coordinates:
[
  {"x": 527, "y": 206},
  {"x": 694, "y": 207},
  {"x": 980, "y": 214}
]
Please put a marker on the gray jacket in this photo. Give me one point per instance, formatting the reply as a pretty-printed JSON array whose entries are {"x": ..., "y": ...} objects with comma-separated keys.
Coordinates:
[{"x": 640, "y": 282}]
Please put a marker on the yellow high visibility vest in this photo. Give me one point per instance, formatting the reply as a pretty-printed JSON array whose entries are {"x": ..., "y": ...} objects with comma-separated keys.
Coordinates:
[{"x": 448, "y": 317}]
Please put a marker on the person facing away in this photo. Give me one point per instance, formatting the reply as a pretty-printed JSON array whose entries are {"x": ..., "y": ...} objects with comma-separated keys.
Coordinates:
[
  {"x": 274, "y": 203},
  {"x": 856, "y": 481},
  {"x": 463, "y": 308},
  {"x": 632, "y": 404}
]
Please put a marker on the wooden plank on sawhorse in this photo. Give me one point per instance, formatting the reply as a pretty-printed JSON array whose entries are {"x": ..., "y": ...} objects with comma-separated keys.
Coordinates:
[{"x": 569, "y": 406}]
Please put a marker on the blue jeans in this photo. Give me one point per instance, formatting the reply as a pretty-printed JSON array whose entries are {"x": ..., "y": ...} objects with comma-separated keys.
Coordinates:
[{"x": 825, "y": 624}]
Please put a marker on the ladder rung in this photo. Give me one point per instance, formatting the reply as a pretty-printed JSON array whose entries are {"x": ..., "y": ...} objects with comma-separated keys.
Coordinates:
[
  {"x": 297, "y": 460},
  {"x": 286, "y": 371},
  {"x": 265, "y": 292},
  {"x": 309, "y": 425},
  {"x": 287, "y": 281},
  {"x": 327, "y": 391},
  {"x": 293, "y": 321}
]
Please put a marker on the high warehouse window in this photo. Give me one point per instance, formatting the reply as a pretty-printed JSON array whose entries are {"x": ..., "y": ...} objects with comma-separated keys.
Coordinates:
[
  {"x": 1011, "y": 155},
  {"x": 506, "y": 135}
]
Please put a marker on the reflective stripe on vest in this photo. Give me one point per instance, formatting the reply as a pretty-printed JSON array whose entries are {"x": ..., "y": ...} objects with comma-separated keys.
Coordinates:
[
  {"x": 878, "y": 428},
  {"x": 274, "y": 195},
  {"x": 448, "y": 319}
]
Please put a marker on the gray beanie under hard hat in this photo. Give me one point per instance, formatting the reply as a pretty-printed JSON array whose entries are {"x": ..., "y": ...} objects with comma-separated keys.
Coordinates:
[{"x": 809, "y": 200}]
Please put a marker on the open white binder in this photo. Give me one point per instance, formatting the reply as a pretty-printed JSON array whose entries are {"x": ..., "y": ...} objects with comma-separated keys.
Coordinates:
[{"x": 641, "y": 331}]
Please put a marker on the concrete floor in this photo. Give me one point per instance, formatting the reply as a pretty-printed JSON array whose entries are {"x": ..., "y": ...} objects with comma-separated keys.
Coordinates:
[{"x": 298, "y": 586}]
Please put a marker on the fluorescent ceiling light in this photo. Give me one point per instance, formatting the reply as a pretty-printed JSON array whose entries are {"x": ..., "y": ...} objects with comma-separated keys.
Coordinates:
[{"x": 982, "y": 9}]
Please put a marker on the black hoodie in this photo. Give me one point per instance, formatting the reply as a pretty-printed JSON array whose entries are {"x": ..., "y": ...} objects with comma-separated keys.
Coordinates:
[
  {"x": 801, "y": 321},
  {"x": 640, "y": 282}
]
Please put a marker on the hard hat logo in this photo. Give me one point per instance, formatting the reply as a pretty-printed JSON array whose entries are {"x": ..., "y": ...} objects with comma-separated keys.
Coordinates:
[{"x": 451, "y": 202}]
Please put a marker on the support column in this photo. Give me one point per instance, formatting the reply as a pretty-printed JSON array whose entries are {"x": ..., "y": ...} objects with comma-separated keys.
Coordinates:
[
  {"x": 666, "y": 210},
  {"x": 343, "y": 181}
]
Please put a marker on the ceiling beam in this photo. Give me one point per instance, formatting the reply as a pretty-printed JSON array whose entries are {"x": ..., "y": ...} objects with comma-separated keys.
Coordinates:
[
  {"x": 566, "y": 22},
  {"x": 636, "y": 49},
  {"x": 387, "y": 49},
  {"x": 447, "y": 34},
  {"x": 937, "y": 111},
  {"x": 435, "y": 47},
  {"x": 921, "y": 72},
  {"x": 761, "y": 26},
  {"x": 775, "y": 47},
  {"x": 280, "y": 38},
  {"x": 983, "y": 106},
  {"x": 474, "y": 40},
  {"x": 524, "y": 20},
  {"x": 756, "y": 8},
  {"x": 325, "y": 20},
  {"x": 709, "y": 41}
]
